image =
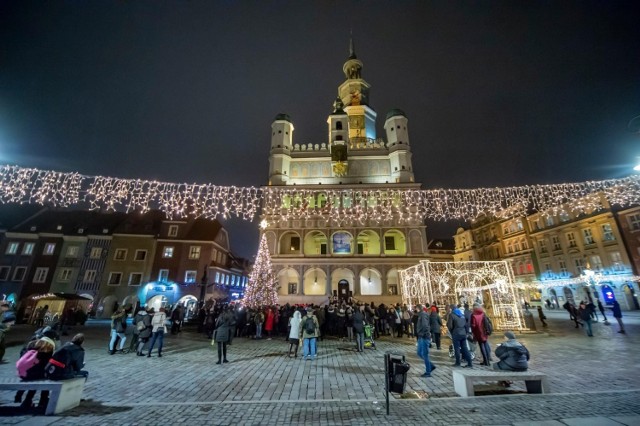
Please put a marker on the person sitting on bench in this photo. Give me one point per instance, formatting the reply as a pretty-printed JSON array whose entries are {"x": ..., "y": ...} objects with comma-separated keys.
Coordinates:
[{"x": 513, "y": 355}]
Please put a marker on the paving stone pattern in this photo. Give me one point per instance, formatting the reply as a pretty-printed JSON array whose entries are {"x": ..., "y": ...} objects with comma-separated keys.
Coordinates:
[{"x": 588, "y": 377}]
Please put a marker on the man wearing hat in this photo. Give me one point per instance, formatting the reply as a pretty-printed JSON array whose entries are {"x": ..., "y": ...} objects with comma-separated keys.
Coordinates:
[
  {"x": 7, "y": 319},
  {"x": 513, "y": 355}
]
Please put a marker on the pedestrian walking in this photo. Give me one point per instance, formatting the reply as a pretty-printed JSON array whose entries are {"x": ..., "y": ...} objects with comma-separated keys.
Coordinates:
[
  {"x": 617, "y": 314},
  {"x": 542, "y": 316},
  {"x": 423, "y": 332},
  {"x": 435, "y": 323},
  {"x": 481, "y": 330},
  {"x": 118, "y": 330},
  {"x": 158, "y": 329},
  {"x": 601, "y": 309},
  {"x": 585, "y": 315}
]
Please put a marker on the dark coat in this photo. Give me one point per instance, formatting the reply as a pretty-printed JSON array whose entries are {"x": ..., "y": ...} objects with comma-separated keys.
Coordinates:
[
  {"x": 146, "y": 319},
  {"x": 457, "y": 324},
  {"x": 513, "y": 356},
  {"x": 223, "y": 327},
  {"x": 358, "y": 321},
  {"x": 76, "y": 360},
  {"x": 617, "y": 313},
  {"x": 435, "y": 322},
  {"x": 423, "y": 326}
]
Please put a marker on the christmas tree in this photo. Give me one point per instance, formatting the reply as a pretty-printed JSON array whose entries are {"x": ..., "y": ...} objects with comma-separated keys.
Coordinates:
[{"x": 262, "y": 288}]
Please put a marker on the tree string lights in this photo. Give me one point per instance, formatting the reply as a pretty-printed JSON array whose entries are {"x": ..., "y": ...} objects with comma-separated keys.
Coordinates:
[
  {"x": 343, "y": 206},
  {"x": 262, "y": 288}
]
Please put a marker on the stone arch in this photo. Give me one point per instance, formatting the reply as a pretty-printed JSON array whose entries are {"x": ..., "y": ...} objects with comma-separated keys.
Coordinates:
[
  {"x": 395, "y": 243},
  {"x": 315, "y": 282},
  {"x": 316, "y": 243},
  {"x": 288, "y": 276},
  {"x": 290, "y": 243},
  {"x": 393, "y": 282},
  {"x": 342, "y": 274},
  {"x": 105, "y": 307},
  {"x": 370, "y": 282},
  {"x": 368, "y": 243}
]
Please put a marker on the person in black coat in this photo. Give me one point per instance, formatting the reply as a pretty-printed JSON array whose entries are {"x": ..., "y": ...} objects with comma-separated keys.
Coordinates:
[
  {"x": 223, "y": 331},
  {"x": 358, "y": 328}
]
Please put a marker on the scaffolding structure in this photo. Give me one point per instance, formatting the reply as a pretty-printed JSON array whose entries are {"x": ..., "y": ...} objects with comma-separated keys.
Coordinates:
[{"x": 490, "y": 284}]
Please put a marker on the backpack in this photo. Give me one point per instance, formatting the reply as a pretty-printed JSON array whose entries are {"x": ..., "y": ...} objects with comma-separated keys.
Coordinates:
[
  {"x": 140, "y": 325},
  {"x": 26, "y": 361},
  {"x": 309, "y": 326},
  {"x": 58, "y": 365},
  {"x": 488, "y": 325}
]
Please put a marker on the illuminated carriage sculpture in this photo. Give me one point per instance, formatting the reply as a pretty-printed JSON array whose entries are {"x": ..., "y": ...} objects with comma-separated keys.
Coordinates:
[{"x": 488, "y": 283}]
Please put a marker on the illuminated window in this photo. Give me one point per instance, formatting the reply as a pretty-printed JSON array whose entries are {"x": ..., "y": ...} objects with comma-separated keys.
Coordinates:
[
  {"x": 49, "y": 249},
  {"x": 588, "y": 236},
  {"x": 563, "y": 267},
  {"x": 634, "y": 221},
  {"x": 167, "y": 251},
  {"x": 550, "y": 221},
  {"x": 190, "y": 277},
  {"x": 27, "y": 250},
  {"x": 163, "y": 275},
  {"x": 12, "y": 248},
  {"x": 607, "y": 232},
  {"x": 194, "y": 252},
  {"x": 579, "y": 265},
  {"x": 596, "y": 262},
  {"x": 616, "y": 261}
]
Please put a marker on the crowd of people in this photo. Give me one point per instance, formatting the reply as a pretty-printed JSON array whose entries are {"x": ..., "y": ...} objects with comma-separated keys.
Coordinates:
[{"x": 586, "y": 313}]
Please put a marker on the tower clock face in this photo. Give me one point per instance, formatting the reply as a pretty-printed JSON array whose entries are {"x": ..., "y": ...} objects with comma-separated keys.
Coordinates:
[{"x": 356, "y": 122}]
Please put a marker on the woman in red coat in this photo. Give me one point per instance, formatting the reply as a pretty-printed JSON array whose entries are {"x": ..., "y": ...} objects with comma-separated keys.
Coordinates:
[
  {"x": 269, "y": 322},
  {"x": 480, "y": 328}
]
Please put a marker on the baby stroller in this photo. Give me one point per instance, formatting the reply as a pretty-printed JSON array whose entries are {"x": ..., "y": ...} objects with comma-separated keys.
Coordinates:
[
  {"x": 368, "y": 337},
  {"x": 471, "y": 346}
]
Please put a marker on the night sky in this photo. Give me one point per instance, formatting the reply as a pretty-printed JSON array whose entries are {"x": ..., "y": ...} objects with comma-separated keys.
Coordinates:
[{"x": 497, "y": 93}]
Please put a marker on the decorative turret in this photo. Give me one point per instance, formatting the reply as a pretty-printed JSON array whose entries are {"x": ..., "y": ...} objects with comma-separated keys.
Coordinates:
[
  {"x": 281, "y": 146},
  {"x": 398, "y": 143}
]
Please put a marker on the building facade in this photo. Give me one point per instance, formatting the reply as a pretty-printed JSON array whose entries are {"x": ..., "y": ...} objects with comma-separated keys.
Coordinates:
[{"x": 325, "y": 256}]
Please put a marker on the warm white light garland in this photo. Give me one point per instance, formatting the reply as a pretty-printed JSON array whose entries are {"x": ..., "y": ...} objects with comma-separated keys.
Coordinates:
[{"x": 343, "y": 206}]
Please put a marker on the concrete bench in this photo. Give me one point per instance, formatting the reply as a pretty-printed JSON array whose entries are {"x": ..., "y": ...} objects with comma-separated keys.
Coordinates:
[
  {"x": 63, "y": 394},
  {"x": 463, "y": 380}
]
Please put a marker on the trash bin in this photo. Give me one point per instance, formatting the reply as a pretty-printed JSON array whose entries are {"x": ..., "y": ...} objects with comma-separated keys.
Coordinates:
[
  {"x": 528, "y": 320},
  {"x": 398, "y": 369}
]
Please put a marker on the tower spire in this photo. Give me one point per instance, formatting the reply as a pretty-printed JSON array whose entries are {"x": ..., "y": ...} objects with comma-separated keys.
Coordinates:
[{"x": 352, "y": 49}]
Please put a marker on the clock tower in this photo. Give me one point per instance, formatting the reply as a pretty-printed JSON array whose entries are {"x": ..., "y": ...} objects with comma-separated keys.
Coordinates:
[{"x": 354, "y": 93}]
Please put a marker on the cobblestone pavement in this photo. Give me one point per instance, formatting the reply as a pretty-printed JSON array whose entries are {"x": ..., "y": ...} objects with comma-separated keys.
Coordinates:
[{"x": 589, "y": 377}]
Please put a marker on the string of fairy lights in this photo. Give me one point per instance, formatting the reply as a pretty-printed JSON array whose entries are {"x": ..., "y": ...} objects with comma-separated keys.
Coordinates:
[{"x": 349, "y": 205}]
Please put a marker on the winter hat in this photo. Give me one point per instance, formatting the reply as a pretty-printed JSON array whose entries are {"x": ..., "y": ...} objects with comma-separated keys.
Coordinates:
[{"x": 509, "y": 335}]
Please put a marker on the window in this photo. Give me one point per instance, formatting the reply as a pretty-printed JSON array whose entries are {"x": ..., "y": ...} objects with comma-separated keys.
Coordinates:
[
  {"x": 607, "y": 233},
  {"x": 190, "y": 277},
  {"x": 89, "y": 276},
  {"x": 556, "y": 242},
  {"x": 141, "y": 255},
  {"x": 360, "y": 248},
  {"x": 550, "y": 221},
  {"x": 12, "y": 248},
  {"x": 49, "y": 249},
  {"x": 634, "y": 221},
  {"x": 115, "y": 278},
  {"x": 519, "y": 225},
  {"x": 393, "y": 289},
  {"x": 389, "y": 243},
  {"x": 173, "y": 230},
  {"x": 323, "y": 249},
  {"x": 167, "y": 251},
  {"x": 571, "y": 239},
  {"x": 4, "y": 272},
  {"x": 588, "y": 236},
  {"x": 19, "y": 273},
  {"x": 579, "y": 266},
  {"x": 135, "y": 278},
  {"x": 564, "y": 217},
  {"x": 295, "y": 243},
  {"x": 27, "y": 250},
  {"x": 217, "y": 279},
  {"x": 563, "y": 267},
  {"x": 65, "y": 275},
  {"x": 616, "y": 261},
  {"x": 194, "y": 252},
  {"x": 121, "y": 254},
  {"x": 293, "y": 288},
  {"x": 72, "y": 251},
  {"x": 547, "y": 270},
  {"x": 163, "y": 275},
  {"x": 96, "y": 252},
  {"x": 596, "y": 262},
  {"x": 338, "y": 127},
  {"x": 543, "y": 245},
  {"x": 41, "y": 275}
]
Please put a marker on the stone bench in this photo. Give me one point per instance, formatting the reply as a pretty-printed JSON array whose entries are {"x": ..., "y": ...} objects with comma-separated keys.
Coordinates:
[
  {"x": 463, "y": 380},
  {"x": 63, "y": 394}
]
